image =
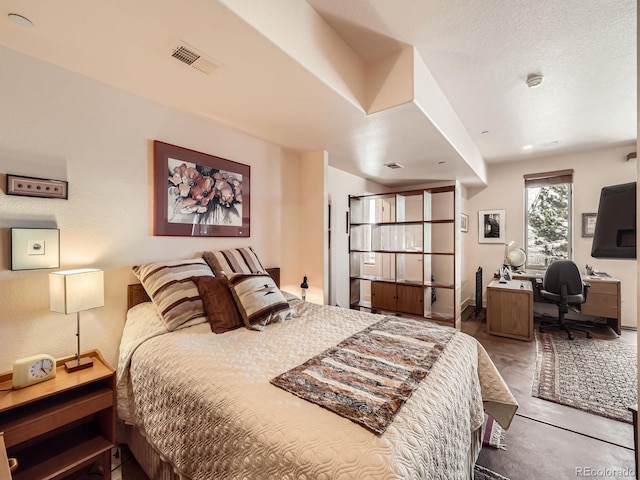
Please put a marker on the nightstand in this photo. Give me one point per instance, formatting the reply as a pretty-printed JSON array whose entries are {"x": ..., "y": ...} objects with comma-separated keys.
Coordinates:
[{"x": 59, "y": 426}]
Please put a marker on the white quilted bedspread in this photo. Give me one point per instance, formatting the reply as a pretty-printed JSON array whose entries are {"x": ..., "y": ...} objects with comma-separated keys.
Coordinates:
[{"x": 204, "y": 401}]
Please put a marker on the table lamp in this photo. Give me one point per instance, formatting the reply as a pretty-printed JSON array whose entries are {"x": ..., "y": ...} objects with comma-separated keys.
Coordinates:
[{"x": 72, "y": 291}]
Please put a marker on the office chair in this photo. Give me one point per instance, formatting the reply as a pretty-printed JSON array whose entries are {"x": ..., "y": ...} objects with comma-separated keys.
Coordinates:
[{"x": 563, "y": 286}]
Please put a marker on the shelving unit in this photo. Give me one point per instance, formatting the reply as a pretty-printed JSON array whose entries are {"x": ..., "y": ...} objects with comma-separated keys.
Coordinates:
[
  {"x": 56, "y": 427},
  {"x": 402, "y": 249}
]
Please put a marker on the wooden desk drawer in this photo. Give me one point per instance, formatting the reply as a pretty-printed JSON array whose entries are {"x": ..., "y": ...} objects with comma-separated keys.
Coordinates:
[
  {"x": 604, "y": 288},
  {"x": 600, "y": 305}
]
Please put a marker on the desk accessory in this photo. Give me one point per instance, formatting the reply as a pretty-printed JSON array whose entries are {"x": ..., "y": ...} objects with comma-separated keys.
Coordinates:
[{"x": 73, "y": 291}]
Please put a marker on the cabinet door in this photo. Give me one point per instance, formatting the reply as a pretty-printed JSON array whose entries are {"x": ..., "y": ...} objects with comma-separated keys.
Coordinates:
[
  {"x": 410, "y": 299},
  {"x": 510, "y": 313},
  {"x": 383, "y": 295}
]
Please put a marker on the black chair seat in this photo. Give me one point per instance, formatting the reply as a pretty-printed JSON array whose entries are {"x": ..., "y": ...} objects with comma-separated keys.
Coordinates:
[{"x": 556, "y": 297}]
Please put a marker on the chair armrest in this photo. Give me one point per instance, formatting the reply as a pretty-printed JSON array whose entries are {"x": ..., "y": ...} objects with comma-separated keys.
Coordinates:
[
  {"x": 537, "y": 284},
  {"x": 585, "y": 289}
]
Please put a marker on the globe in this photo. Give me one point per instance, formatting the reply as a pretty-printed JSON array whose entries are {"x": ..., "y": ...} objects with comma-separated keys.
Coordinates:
[{"x": 517, "y": 257}]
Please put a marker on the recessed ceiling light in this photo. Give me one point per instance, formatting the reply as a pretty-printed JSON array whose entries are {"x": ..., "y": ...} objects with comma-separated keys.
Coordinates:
[
  {"x": 534, "y": 80},
  {"x": 527, "y": 147},
  {"x": 20, "y": 20}
]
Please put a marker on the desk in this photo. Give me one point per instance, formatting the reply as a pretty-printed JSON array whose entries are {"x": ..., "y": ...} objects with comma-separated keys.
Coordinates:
[
  {"x": 510, "y": 309},
  {"x": 603, "y": 298}
]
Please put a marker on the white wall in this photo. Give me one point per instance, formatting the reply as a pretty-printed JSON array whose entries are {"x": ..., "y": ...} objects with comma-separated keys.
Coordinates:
[
  {"x": 56, "y": 124},
  {"x": 339, "y": 186},
  {"x": 592, "y": 171}
]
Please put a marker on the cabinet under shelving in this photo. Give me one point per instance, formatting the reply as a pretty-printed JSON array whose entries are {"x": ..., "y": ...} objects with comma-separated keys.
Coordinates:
[{"x": 402, "y": 249}]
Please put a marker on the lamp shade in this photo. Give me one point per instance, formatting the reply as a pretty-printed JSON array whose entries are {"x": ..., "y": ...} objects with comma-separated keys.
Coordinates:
[{"x": 73, "y": 291}]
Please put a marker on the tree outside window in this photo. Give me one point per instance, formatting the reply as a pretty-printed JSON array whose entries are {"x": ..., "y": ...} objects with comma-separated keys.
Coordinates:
[{"x": 548, "y": 215}]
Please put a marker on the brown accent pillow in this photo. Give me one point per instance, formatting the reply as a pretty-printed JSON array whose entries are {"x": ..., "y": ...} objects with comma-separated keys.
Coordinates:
[{"x": 219, "y": 304}]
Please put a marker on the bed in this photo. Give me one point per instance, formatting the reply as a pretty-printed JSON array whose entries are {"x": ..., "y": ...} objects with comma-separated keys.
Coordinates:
[{"x": 200, "y": 405}]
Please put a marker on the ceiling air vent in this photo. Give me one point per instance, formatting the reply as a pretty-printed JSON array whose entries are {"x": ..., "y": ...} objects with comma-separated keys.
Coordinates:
[
  {"x": 193, "y": 57},
  {"x": 393, "y": 165}
]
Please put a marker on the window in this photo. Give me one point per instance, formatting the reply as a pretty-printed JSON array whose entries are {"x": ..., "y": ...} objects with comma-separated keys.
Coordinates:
[{"x": 548, "y": 217}]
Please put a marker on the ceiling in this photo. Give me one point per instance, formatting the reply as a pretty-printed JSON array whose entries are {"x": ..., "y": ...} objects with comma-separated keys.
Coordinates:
[{"x": 438, "y": 86}]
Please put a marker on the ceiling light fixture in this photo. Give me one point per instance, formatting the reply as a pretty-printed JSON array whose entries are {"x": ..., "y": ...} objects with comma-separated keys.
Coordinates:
[
  {"x": 527, "y": 147},
  {"x": 20, "y": 20},
  {"x": 534, "y": 80}
]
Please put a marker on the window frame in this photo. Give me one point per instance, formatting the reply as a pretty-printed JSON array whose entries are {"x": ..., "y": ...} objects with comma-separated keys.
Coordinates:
[{"x": 541, "y": 180}]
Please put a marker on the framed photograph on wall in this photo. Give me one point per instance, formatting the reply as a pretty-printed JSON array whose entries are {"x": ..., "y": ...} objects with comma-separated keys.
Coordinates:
[
  {"x": 464, "y": 222},
  {"x": 199, "y": 195},
  {"x": 588, "y": 224},
  {"x": 35, "y": 248},
  {"x": 491, "y": 225}
]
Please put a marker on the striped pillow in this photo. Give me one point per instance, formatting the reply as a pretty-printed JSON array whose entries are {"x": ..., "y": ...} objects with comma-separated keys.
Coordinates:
[
  {"x": 172, "y": 290},
  {"x": 235, "y": 260},
  {"x": 259, "y": 300}
]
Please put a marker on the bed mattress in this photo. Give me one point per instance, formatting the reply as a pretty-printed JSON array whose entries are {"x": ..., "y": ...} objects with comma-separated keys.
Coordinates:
[{"x": 204, "y": 402}]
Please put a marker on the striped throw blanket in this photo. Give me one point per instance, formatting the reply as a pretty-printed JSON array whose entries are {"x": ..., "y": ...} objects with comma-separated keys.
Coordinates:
[{"x": 370, "y": 375}]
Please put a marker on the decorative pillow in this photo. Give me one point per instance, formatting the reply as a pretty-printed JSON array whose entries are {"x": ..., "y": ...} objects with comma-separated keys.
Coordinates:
[
  {"x": 258, "y": 299},
  {"x": 171, "y": 289},
  {"x": 219, "y": 304},
  {"x": 235, "y": 260}
]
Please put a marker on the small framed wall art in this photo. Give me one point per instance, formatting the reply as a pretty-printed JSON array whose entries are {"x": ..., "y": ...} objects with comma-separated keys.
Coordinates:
[
  {"x": 37, "y": 187},
  {"x": 35, "y": 248},
  {"x": 197, "y": 194},
  {"x": 464, "y": 222},
  {"x": 491, "y": 225},
  {"x": 588, "y": 224}
]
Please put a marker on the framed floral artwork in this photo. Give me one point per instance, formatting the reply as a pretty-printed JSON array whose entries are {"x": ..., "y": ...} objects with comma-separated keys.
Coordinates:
[{"x": 199, "y": 195}]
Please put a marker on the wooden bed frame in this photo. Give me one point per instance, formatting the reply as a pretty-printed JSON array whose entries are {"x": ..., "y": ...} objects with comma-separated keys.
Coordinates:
[{"x": 137, "y": 294}]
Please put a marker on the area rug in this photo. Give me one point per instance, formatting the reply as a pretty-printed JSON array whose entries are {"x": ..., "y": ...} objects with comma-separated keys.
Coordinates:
[
  {"x": 481, "y": 473},
  {"x": 494, "y": 434},
  {"x": 597, "y": 376}
]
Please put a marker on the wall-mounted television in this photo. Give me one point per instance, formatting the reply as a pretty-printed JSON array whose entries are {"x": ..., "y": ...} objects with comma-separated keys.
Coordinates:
[{"x": 615, "y": 231}]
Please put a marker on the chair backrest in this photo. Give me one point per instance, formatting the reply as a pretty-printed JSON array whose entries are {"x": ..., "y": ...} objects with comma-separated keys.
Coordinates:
[{"x": 563, "y": 272}]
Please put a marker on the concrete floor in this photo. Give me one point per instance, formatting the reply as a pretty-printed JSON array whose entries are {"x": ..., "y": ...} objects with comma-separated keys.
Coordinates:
[{"x": 547, "y": 440}]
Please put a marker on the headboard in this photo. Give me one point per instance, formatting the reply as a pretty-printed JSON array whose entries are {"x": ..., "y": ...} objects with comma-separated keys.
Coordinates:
[{"x": 136, "y": 293}]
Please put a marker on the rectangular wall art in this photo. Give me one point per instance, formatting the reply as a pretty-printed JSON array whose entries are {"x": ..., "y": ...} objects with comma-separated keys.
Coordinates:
[
  {"x": 491, "y": 225},
  {"x": 198, "y": 194},
  {"x": 35, "y": 248}
]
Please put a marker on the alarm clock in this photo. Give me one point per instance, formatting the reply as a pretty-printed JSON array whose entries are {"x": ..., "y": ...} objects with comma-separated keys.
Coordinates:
[{"x": 34, "y": 369}]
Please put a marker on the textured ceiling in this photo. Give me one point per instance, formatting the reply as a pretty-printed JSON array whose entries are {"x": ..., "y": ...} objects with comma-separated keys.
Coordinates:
[{"x": 301, "y": 74}]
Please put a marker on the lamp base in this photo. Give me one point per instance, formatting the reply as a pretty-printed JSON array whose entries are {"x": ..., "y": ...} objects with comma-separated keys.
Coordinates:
[{"x": 73, "y": 365}]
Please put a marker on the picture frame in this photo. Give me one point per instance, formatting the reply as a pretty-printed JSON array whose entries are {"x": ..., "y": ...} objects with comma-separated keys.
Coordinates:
[
  {"x": 491, "y": 226},
  {"x": 588, "y": 224},
  {"x": 464, "y": 222},
  {"x": 35, "y": 248},
  {"x": 36, "y": 187},
  {"x": 199, "y": 195}
]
